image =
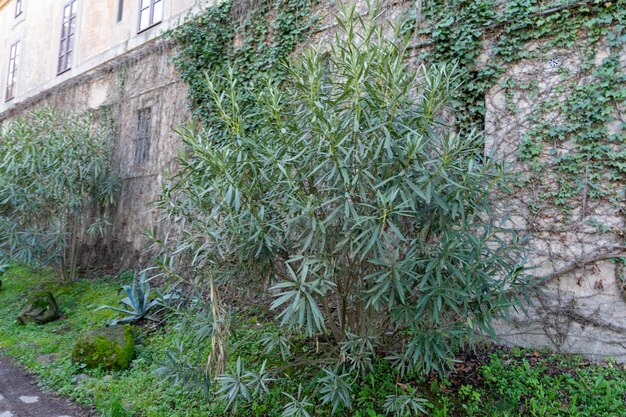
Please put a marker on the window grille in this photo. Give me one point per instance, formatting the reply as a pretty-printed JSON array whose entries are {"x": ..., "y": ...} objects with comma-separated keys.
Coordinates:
[
  {"x": 142, "y": 140},
  {"x": 18, "y": 8}
]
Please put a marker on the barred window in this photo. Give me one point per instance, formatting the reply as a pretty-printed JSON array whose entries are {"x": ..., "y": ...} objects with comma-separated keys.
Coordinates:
[
  {"x": 68, "y": 35},
  {"x": 14, "y": 56},
  {"x": 144, "y": 130},
  {"x": 120, "y": 10}
]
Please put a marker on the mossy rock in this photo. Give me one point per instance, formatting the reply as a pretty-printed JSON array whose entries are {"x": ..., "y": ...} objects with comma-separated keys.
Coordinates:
[
  {"x": 41, "y": 308},
  {"x": 109, "y": 348}
]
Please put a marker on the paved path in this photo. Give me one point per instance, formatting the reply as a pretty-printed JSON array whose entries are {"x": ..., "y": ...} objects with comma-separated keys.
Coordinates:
[{"x": 21, "y": 397}]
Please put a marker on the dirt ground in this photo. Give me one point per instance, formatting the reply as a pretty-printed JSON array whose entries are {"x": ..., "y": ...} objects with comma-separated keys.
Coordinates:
[{"x": 21, "y": 397}]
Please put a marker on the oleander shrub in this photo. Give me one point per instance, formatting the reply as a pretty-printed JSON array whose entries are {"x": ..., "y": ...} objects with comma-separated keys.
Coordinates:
[
  {"x": 346, "y": 191},
  {"x": 56, "y": 182}
]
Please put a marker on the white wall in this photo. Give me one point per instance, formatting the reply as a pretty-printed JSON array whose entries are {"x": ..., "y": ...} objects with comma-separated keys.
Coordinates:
[{"x": 99, "y": 38}]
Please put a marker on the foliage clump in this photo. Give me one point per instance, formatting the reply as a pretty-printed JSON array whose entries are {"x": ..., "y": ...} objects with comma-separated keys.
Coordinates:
[
  {"x": 491, "y": 382},
  {"x": 140, "y": 303},
  {"x": 109, "y": 348},
  {"x": 56, "y": 183},
  {"x": 574, "y": 136},
  {"x": 348, "y": 192},
  {"x": 252, "y": 43}
]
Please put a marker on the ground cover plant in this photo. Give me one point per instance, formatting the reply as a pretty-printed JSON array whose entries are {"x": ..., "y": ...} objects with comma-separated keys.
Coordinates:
[
  {"x": 114, "y": 394},
  {"x": 56, "y": 182},
  {"x": 490, "y": 381}
]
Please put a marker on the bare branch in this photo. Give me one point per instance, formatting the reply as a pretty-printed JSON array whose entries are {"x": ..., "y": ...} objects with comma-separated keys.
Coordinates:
[{"x": 581, "y": 263}]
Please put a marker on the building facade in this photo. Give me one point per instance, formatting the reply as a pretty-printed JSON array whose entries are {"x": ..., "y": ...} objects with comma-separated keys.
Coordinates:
[
  {"x": 108, "y": 57},
  {"x": 45, "y": 43}
]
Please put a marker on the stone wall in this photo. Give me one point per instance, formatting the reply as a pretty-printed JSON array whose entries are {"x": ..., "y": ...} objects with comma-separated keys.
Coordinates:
[{"x": 584, "y": 306}]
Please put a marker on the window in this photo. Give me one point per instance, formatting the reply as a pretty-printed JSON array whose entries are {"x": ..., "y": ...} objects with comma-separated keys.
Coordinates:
[
  {"x": 14, "y": 57},
  {"x": 150, "y": 13},
  {"x": 18, "y": 8},
  {"x": 120, "y": 10},
  {"x": 142, "y": 140},
  {"x": 68, "y": 30}
]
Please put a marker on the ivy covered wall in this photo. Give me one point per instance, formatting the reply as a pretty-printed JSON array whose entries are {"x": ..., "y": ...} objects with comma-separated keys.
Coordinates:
[{"x": 546, "y": 81}]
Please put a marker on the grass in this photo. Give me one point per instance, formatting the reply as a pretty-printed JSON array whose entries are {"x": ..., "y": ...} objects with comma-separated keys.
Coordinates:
[
  {"x": 492, "y": 382},
  {"x": 116, "y": 394}
]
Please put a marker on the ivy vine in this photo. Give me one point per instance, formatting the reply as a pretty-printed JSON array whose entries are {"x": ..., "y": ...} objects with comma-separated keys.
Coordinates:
[
  {"x": 485, "y": 37},
  {"x": 251, "y": 46},
  {"x": 584, "y": 151}
]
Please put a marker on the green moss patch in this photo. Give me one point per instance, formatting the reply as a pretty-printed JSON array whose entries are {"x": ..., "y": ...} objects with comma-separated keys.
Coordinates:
[
  {"x": 109, "y": 348},
  {"x": 41, "y": 308}
]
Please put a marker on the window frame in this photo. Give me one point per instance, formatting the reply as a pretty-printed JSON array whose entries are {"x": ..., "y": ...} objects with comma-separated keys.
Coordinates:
[
  {"x": 14, "y": 55},
  {"x": 67, "y": 42},
  {"x": 143, "y": 135},
  {"x": 19, "y": 7},
  {"x": 120, "y": 11},
  {"x": 151, "y": 20}
]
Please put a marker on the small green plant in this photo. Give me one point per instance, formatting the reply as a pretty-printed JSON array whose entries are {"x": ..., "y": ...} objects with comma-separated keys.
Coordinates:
[
  {"x": 192, "y": 319},
  {"x": 471, "y": 399},
  {"x": 183, "y": 369},
  {"x": 407, "y": 404},
  {"x": 358, "y": 353},
  {"x": 112, "y": 408},
  {"x": 240, "y": 386},
  {"x": 277, "y": 342},
  {"x": 297, "y": 406},
  {"x": 139, "y": 303},
  {"x": 336, "y": 390}
]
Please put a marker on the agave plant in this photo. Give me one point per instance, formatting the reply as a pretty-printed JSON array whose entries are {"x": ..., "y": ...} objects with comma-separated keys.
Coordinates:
[{"x": 138, "y": 303}]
